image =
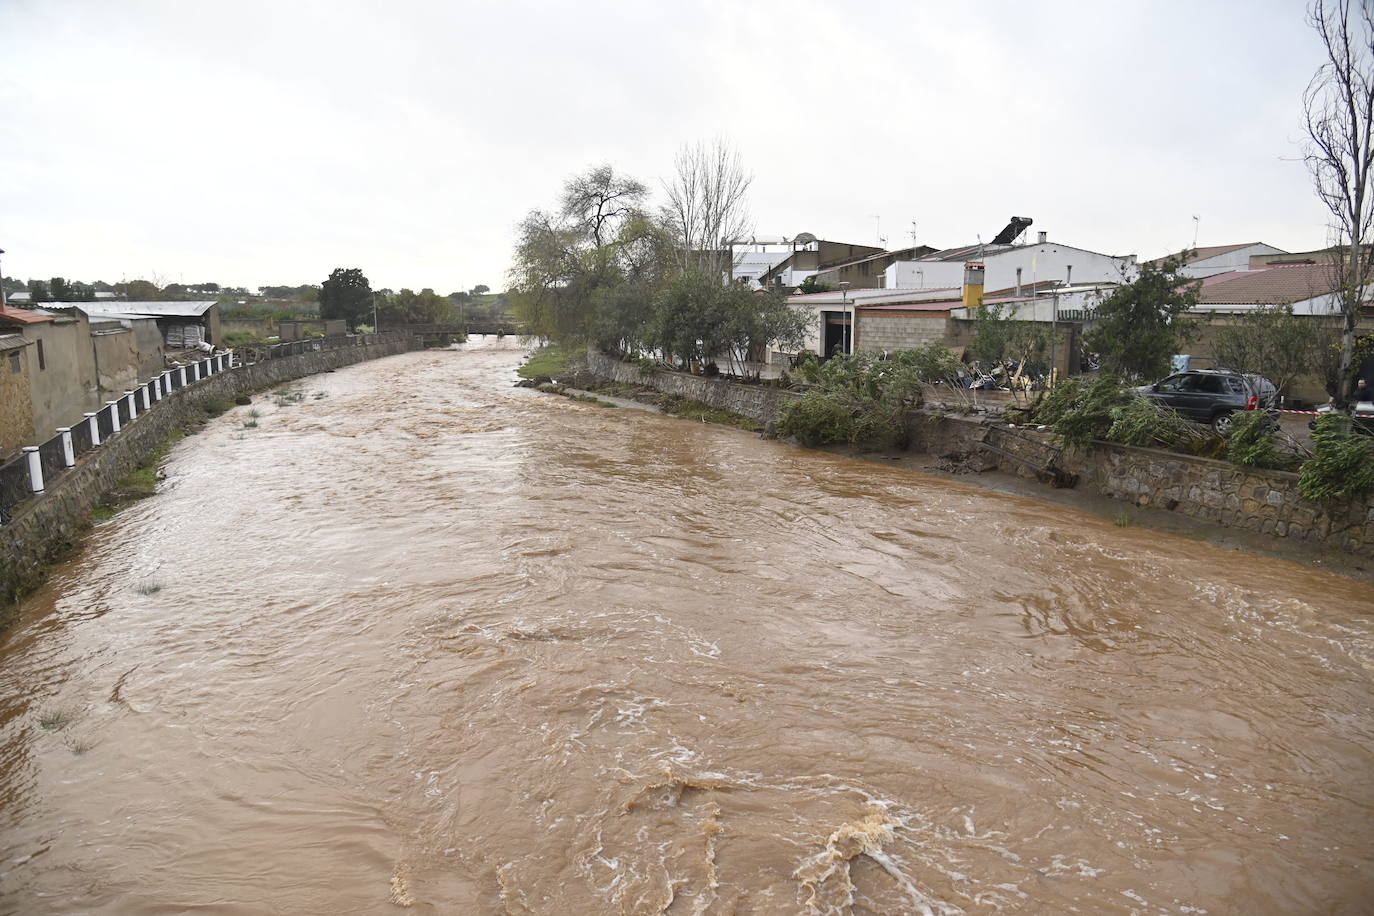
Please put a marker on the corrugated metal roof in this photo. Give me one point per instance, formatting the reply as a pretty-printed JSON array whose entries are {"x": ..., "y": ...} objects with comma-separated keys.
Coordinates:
[
  {"x": 12, "y": 342},
  {"x": 188, "y": 309}
]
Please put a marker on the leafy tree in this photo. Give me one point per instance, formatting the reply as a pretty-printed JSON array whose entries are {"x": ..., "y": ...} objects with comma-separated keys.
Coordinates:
[
  {"x": 38, "y": 291},
  {"x": 347, "y": 295},
  {"x": 999, "y": 338},
  {"x": 59, "y": 290},
  {"x": 809, "y": 285},
  {"x": 1339, "y": 113},
  {"x": 1140, "y": 325},
  {"x": 481, "y": 289},
  {"x": 1271, "y": 341}
]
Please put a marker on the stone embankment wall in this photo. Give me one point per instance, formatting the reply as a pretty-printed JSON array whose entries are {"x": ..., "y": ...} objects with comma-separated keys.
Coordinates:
[
  {"x": 1218, "y": 492},
  {"x": 757, "y": 402},
  {"x": 1225, "y": 494},
  {"x": 43, "y": 527}
]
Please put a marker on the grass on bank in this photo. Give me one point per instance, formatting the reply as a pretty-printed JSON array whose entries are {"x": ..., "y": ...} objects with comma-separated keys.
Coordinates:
[{"x": 550, "y": 360}]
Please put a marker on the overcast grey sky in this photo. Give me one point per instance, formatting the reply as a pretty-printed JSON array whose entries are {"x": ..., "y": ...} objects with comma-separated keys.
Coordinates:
[{"x": 254, "y": 142}]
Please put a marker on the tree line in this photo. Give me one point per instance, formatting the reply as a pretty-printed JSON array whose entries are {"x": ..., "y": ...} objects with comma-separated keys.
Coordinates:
[{"x": 347, "y": 294}]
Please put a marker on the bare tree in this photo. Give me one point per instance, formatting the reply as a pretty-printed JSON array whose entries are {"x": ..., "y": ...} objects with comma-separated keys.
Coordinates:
[
  {"x": 707, "y": 208},
  {"x": 598, "y": 202},
  {"x": 1339, "y": 109}
]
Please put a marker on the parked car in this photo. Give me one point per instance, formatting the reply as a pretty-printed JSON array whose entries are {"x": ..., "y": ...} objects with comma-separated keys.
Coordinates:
[
  {"x": 1212, "y": 395},
  {"x": 1361, "y": 416}
]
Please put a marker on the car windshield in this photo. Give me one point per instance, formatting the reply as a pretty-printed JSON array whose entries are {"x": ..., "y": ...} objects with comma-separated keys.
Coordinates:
[{"x": 1177, "y": 383}]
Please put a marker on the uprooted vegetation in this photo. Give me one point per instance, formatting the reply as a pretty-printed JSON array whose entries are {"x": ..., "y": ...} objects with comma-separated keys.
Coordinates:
[
  {"x": 1081, "y": 410},
  {"x": 1342, "y": 466},
  {"x": 862, "y": 400}
]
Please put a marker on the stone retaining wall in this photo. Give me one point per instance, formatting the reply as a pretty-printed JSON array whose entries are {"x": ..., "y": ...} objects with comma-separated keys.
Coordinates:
[
  {"x": 757, "y": 402},
  {"x": 1218, "y": 492},
  {"x": 43, "y": 528}
]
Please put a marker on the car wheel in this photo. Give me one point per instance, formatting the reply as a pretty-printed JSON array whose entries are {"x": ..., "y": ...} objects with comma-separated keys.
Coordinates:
[{"x": 1222, "y": 423}]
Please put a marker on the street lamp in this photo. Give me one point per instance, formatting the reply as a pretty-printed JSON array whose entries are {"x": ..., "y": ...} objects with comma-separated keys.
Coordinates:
[{"x": 849, "y": 328}]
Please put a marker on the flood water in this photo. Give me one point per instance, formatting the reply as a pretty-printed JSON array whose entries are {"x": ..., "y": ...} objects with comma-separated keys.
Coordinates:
[{"x": 421, "y": 639}]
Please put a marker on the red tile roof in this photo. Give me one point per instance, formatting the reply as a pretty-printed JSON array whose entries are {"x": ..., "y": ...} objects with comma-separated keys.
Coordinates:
[
  {"x": 1278, "y": 285},
  {"x": 22, "y": 316}
]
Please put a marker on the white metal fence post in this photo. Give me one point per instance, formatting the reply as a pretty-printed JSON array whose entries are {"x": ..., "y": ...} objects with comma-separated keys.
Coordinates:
[
  {"x": 143, "y": 392},
  {"x": 93, "y": 422},
  {"x": 133, "y": 405},
  {"x": 35, "y": 469},
  {"x": 114, "y": 416},
  {"x": 68, "y": 451}
]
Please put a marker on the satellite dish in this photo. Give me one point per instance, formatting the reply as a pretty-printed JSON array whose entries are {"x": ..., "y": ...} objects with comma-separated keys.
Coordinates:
[{"x": 804, "y": 238}]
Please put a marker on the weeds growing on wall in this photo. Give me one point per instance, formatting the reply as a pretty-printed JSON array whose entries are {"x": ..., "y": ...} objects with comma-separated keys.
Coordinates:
[{"x": 1342, "y": 465}]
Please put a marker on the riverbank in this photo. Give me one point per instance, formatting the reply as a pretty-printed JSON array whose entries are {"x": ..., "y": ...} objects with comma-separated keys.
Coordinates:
[{"x": 1226, "y": 504}]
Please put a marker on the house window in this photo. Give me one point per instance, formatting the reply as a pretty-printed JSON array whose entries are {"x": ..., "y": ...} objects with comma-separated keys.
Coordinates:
[
  {"x": 42, "y": 364},
  {"x": 14, "y": 361}
]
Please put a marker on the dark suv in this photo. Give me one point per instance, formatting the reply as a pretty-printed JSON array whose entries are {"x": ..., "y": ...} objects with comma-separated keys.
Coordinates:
[{"x": 1212, "y": 395}]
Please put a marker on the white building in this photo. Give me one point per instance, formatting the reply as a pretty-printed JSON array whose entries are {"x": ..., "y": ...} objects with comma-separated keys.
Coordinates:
[
  {"x": 1010, "y": 266},
  {"x": 1220, "y": 259}
]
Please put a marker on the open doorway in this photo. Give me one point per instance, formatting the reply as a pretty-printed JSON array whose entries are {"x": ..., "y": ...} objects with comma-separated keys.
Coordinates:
[{"x": 837, "y": 337}]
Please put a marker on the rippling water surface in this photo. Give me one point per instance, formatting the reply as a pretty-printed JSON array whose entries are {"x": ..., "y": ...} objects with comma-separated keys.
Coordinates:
[{"x": 424, "y": 640}]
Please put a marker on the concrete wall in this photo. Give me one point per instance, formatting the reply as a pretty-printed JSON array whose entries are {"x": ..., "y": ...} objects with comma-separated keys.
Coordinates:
[
  {"x": 63, "y": 386},
  {"x": 1224, "y": 494},
  {"x": 126, "y": 352},
  {"x": 44, "y": 528},
  {"x": 16, "y": 409}
]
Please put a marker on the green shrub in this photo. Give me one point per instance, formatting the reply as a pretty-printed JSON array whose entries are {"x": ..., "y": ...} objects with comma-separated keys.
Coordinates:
[
  {"x": 1342, "y": 466},
  {"x": 817, "y": 418}
]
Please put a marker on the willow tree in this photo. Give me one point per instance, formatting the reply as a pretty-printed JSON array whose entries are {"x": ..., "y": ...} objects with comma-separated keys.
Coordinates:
[
  {"x": 1339, "y": 114},
  {"x": 572, "y": 265}
]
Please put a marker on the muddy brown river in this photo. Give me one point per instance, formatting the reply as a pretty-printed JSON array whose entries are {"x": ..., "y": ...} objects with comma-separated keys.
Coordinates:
[{"x": 424, "y": 640}]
